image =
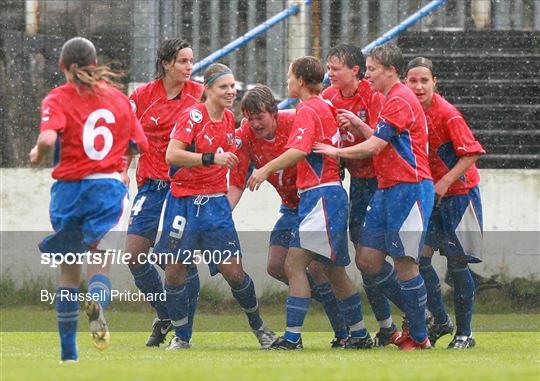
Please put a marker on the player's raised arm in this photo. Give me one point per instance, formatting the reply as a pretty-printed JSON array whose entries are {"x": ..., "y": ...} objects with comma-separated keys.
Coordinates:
[{"x": 369, "y": 148}]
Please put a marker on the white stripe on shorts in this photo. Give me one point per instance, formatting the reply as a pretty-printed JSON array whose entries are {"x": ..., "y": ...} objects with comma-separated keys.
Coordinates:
[{"x": 469, "y": 232}]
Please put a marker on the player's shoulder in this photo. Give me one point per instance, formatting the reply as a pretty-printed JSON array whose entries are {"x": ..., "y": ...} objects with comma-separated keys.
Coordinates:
[
  {"x": 194, "y": 89},
  {"x": 444, "y": 108},
  {"x": 330, "y": 93}
]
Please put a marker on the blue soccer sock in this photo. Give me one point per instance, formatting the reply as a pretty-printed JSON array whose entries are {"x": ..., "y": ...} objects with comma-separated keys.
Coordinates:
[
  {"x": 351, "y": 309},
  {"x": 297, "y": 309},
  {"x": 99, "y": 286},
  {"x": 67, "y": 314},
  {"x": 148, "y": 280},
  {"x": 464, "y": 288},
  {"x": 415, "y": 297},
  {"x": 387, "y": 282},
  {"x": 378, "y": 302},
  {"x": 435, "y": 300},
  {"x": 245, "y": 296},
  {"x": 323, "y": 294},
  {"x": 178, "y": 307},
  {"x": 193, "y": 286}
]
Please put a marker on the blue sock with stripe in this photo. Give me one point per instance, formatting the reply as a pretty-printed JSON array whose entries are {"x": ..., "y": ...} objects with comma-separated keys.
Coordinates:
[
  {"x": 178, "y": 307},
  {"x": 323, "y": 294},
  {"x": 435, "y": 300},
  {"x": 378, "y": 302},
  {"x": 67, "y": 315},
  {"x": 99, "y": 285},
  {"x": 351, "y": 309},
  {"x": 246, "y": 297},
  {"x": 415, "y": 297},
  {"x": 387, "y": 282},
  {"x": 297, "y": 309},
  {"x": 148, "y": 280},
  {"x": 193, "y": 286},
  {"x": 464, "y": 288}
]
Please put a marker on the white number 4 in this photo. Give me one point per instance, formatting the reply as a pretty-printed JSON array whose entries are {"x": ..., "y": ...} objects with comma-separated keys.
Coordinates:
[{"x": 137, "y": 207}]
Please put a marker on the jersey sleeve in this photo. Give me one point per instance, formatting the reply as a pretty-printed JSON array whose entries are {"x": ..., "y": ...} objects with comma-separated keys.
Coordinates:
[
  {"x": 462, "y": 138},
  {"x": 395, "y": 118},
  {"x": 52, "y": 115},
  {"x": 186, "y": 126},
  {"x": 138, "y": 138},
  {"x": 239, "y": 173},
  {"x": 303, "y": 130},
  {"x": 375, "y": 107}
]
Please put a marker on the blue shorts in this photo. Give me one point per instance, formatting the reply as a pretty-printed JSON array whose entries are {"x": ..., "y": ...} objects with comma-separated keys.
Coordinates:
[
  {"x": 455, "y": 226},
  {"x": 146, "y": 208},
  {"x": 198, "y": 230},
  {"x": 285, "y": 225},
  {"x": 360, "y": 194},
  {"x": 397, "y": 218},
  {"x": 323, "y": 224},
  {"x": 87, "y": 214}
]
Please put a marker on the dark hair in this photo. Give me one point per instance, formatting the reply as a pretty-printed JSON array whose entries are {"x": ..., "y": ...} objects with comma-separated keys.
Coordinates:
[
  {"x": 215, "y": 71},
  {"x": 310, "y": 70},
  {"x": 420, "y": 61},
  {"x": 388, "y": 55},
  {"x": 350, "y": 55},
  {"x": 168, "y": 50},
  {"x": 259, "y": 99},
  {"x": 79, "y": 59}
]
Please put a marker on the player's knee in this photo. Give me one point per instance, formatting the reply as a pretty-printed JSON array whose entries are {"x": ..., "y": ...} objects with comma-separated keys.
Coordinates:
[
  {"x": 315, "y": 269},
  {"x": 276, "y": 271},
  {"x": 234, "y": 278},
  {"x": 175, "y": 274}
]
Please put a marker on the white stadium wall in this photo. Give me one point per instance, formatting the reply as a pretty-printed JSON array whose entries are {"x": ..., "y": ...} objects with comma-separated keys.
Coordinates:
[{"x": 510, "y": 201}]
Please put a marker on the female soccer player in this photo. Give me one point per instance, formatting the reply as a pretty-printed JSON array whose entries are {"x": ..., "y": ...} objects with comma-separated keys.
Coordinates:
[
  {"x": 321, "y": 233},
  {"x": 157, "y": 105},
  {"x": 263, "y": 136},
  {"x": 196, "y": 225},
  {"x": 94, "y": 125},
  {"x": 455, "y": 227},
  {"x": 397, "y": 215},
  {"x": 358, "y": 109}
]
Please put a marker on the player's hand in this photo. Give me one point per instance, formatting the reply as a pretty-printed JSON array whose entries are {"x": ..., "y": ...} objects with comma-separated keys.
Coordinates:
[
  {"x": 258, "y": 177},
  {"x": 34, "y": 156},
  {"x": 326, "y": 149},
  {"x": 348, "y": 120},
  {"x": 440, "y": 190},
  {"x": 226, "y": 159}
]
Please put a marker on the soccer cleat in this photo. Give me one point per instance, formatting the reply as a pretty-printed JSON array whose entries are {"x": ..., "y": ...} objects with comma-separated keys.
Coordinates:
[
  {"x": 410, "y": 345},
  {"x": 436, "y": 331},
  {"x": 387, "y": 336},
  {"x": 178, "y": 343},
  {"x": 359, "y": 342},
  {"x": 462, "y": 342},
  {"x": 69, "y": 361},
  {"x": 98, "y": 326},
  {"x": 160, "y": 329},
  {"x": 338, "y": 343},
  {"x": 282, "y": 344},
  {"x": 265, "y": 336}
]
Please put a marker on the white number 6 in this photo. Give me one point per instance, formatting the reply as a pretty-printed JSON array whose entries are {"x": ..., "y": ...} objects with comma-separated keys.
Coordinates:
[{"x": 91, "y": 131}]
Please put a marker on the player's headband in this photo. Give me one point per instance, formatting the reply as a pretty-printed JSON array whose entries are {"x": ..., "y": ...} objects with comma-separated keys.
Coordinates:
[{"x": 216, "y": 76}]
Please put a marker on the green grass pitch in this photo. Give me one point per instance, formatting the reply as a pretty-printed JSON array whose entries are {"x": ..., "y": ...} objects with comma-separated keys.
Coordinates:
[{"x": 508, "y": 349}]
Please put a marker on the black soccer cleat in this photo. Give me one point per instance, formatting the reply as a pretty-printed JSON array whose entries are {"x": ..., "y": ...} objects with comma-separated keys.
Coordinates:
[
  {"x": 462, "y": 342},
  {"x": 282, "y": 344},
  {"x": 359, "y": 343},
  {"x": 338, "y": 343},
  {"x": 386, "y": 336},
  {"x": 436, "y": 331},
  {"x": 160, "y": 329}
]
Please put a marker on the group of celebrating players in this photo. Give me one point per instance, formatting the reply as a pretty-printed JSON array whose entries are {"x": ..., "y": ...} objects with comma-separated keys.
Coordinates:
[{"x": 407, "y": 198}]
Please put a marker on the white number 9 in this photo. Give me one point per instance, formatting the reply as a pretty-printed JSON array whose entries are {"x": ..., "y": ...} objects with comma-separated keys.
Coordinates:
[{"x": 91, "y": 131}]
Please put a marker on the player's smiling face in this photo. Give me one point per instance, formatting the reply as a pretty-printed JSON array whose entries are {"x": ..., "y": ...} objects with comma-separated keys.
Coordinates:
[
  {"x": 223, "y": 91},
  {"x": 262, "y": 124},
  {"x": 180, "y": 68},
  {"x": 422, "y": 83},
  {"x": 341, "y": 76},
  {"x": 380, "y": 77}
]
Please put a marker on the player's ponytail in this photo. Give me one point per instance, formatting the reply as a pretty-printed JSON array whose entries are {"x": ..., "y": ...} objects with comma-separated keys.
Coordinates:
[{"x": 79, "y": 60}]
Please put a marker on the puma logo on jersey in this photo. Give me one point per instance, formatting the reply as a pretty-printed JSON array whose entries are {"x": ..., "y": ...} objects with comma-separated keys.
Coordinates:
[
  {"x": 210, "y": 140},
  {"x": 155, "y": 120},
  {"x": 302, "y": 130},
  {"x": 45, "y": 117}
]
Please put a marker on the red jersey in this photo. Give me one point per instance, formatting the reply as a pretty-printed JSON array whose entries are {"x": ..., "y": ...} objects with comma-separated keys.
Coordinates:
[
  {"x": 202, "y": 135},
  {"x": 402, "y": 123},
  {"x": 449, "y": 139},
  {"x": 251, "y": 149},
  {"x": 315, "y": 121},
  {"x": 365, "y": 104},
  {"x": 157, "y": 115},
  {"x": 95, "y": 130}
]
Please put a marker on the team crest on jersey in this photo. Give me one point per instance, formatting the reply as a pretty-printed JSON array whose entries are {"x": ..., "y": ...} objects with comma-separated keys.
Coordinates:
[
  {"x": 362, "y": 114},
  {"x": 230, "y": 138},
  {"x": 133, "y": 105},
  {"x": 238, "y": 142},
  {"x": 195, "y": 116}
]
